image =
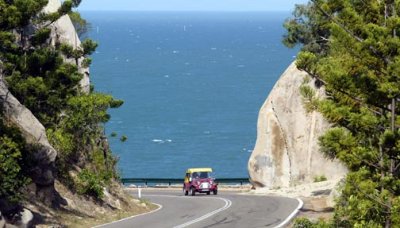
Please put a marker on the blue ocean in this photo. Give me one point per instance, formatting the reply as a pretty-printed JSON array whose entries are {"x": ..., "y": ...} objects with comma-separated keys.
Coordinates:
[{"x": 192, "y": 83}]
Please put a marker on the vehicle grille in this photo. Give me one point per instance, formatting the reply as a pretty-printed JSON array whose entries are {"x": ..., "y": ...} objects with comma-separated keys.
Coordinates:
[{"x": 204, "y": 185}]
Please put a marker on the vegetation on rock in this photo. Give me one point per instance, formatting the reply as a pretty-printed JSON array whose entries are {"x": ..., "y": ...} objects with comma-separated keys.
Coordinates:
[
  {"x": 353, "y": 49},
  {"x": 320, "y": 178},
  {"x": 81, "y": 25},
  {"x": 12, "y": 176},
  {"x": 40, "y": 76}
]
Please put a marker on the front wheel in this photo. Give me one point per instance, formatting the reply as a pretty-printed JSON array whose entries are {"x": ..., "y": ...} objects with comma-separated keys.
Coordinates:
[
  {"x": 185, "y": 192},
  {"x": 215, "y": 192},
  {"x": 192, "y": 192},
  {"x": 208, "y": 193}
]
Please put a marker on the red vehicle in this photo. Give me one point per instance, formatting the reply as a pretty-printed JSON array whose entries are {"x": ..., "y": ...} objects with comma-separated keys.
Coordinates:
[{"x": 199, "y": 180}]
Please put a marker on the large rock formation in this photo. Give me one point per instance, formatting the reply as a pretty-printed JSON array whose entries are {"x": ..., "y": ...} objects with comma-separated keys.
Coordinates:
[
  {"x": 31, "y": 129},
  {"x": 64, "y": 31},
  {"x": 286, "y": 151},
  {"x": 33, "y": 132},
  {"x": 46, "y": 196}
]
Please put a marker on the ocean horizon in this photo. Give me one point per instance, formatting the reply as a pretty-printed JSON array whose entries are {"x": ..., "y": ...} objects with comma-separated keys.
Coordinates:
[{"x": 192, "y": 83}]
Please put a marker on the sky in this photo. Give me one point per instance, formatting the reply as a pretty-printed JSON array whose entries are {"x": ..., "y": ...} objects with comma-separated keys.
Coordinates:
[{"x": 191, "y": 5}]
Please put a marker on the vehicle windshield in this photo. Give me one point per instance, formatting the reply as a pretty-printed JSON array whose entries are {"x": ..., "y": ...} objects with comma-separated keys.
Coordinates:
[{"x": 201, "y": 175}]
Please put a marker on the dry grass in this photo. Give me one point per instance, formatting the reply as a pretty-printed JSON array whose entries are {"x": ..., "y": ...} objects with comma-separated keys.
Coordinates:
[
  {"x": 73, "y": 221},
  {"x": 78, "y": 211}
]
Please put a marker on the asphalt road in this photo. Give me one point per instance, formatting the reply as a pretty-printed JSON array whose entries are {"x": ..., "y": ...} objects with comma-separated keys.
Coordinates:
[{"x": 227, "y": 209}]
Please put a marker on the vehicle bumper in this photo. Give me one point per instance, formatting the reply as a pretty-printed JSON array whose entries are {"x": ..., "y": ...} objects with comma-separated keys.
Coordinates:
[{"x": 202, "y": 190}]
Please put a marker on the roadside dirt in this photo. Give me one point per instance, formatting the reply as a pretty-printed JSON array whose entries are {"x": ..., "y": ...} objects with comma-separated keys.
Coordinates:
[
  {"x": 318, "y": 198},
  {"x": 78, "y": 211}
]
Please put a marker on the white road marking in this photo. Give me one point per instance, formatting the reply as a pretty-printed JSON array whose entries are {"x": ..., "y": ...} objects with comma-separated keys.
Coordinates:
[
  {"x": 150, "y": 212},
  {"x": 290, "y": 217},
  {"x": 228, "y": 203}
]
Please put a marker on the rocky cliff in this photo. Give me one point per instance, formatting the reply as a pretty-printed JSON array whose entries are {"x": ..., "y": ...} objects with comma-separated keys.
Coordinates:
[
  {"x": 52, "y": 196},
  {"x": 286, "y": 151},
  {"x": 35, "y": 134},
  {"x": 63, "y": 31},
  {"x": 31, "y": 129}
]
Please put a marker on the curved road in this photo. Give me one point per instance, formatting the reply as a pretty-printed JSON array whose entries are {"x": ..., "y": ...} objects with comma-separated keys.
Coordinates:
[{"x": 227, "y": 209}]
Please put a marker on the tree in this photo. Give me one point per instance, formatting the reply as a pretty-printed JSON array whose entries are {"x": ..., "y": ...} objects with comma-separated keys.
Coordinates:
[
  {"x": 81, "y": 25},
  {"x": 39, "y": 77},
  {"x": 352, "y": 48}
]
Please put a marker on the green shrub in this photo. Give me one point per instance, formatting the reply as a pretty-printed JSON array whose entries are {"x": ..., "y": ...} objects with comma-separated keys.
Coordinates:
[
  {"x": 302, "y": 223},
  {"x": 62, "y": 141},
  {"x": 103, "y": 165},
  {"x": 305, "y": 223},
  {"x": 90, "y": 184},
  {"x": 320, "y": 178},
  {"x": 11, "y": 176}
]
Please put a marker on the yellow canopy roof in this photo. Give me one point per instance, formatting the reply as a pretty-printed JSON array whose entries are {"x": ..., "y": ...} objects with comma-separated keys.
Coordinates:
[{"x": 192, "y": 170}]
